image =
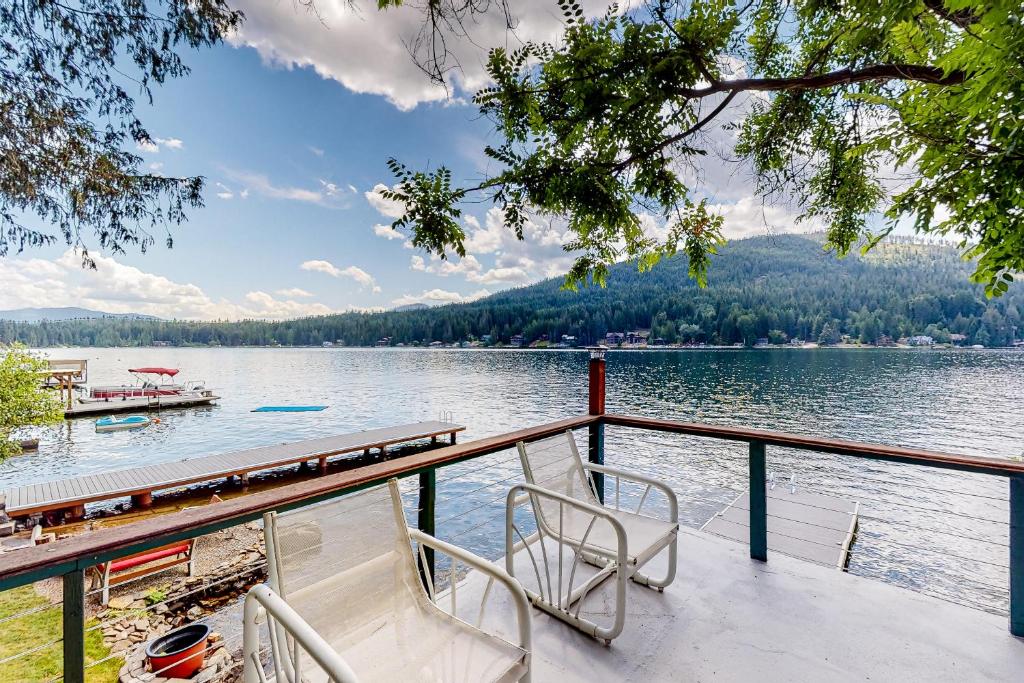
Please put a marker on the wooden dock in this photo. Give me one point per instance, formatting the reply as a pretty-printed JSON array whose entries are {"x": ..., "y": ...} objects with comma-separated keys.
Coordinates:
[
  {"x": 71, "y": 495},
  {"x": 136, "y": 405},
  {"x": 808, "y": 526}
]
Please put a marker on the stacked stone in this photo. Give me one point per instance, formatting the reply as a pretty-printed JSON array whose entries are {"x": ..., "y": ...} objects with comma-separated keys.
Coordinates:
[{"x": 197, "y": 596}]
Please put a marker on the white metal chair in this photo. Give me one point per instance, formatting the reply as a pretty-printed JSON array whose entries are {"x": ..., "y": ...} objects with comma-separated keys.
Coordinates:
[
  {"x": 569, "y": 513},
  {"x": 345, "y": 602}
]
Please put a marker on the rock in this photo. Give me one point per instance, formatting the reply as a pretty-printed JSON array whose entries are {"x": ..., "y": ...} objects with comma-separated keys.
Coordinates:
[
  {"x": 194, "y": 612},
  {"x": 120, "y": 602},
  {"x": 141, "y": 625},
  {"x": 137, "y": 604},
  {"x": 160, "y": 609},
  {"x": 121, "y": 645},
  {"x": 215, "y": 637}
]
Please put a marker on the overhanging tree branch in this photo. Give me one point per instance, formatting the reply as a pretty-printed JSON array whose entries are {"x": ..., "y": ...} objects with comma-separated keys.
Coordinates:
[{"x": 878, "y": 72}]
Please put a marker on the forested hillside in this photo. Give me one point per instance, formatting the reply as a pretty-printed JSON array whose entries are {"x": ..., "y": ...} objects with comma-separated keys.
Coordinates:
[{"x": 779, "y": 287}]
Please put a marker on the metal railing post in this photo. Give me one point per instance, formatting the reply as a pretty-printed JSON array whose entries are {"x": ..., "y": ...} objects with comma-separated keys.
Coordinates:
[
  {"x": 73, "y": 609},
  {"x": 758, "y": 503},
  {"x": 595, "y": 402},
  {"x": 425, "y": 521},
  {"x": 1017, "y": 554}
]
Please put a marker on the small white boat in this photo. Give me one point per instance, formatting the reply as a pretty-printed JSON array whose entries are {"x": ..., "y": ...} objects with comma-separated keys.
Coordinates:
[{"x": 112, "y": 423}]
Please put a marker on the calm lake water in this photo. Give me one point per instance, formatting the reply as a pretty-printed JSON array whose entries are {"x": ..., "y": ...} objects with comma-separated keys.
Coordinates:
[{"x": 938, "y": 532}]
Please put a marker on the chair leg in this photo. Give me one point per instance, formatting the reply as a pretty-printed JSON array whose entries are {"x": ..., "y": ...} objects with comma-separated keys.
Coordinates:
[
  {"x": 106, "y": 586},
  {"x": 670, "y": 575}
]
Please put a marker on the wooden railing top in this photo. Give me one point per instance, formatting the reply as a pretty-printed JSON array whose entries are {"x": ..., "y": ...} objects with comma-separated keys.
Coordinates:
[
  {"x": 32, "y": 564},
  {"x": 79, "y": 552},
  {"x": 953, "y": 461}
]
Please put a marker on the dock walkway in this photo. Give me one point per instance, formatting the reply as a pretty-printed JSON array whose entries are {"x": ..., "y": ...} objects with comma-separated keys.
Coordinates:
[{"x": 71, "y": 495}]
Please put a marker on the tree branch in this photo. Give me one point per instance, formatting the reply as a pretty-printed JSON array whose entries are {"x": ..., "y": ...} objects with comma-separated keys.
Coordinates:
[
  {"x": 877, "y": 72},
  {"x": 962, "y": 18}
]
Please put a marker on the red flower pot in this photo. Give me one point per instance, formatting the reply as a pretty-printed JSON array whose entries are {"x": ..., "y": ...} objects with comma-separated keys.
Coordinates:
[{"x": 179, "y": 653}]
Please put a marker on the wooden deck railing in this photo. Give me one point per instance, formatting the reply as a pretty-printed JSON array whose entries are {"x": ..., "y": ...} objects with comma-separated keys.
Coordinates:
[{"x": 72, "y": 557}]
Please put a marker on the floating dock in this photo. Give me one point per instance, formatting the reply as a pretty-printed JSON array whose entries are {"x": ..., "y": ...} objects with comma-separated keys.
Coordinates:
[
  {"x": 808, "y": 526},
  {"x": 117, "y": 405},
  {"x": 71, "y": 495}
]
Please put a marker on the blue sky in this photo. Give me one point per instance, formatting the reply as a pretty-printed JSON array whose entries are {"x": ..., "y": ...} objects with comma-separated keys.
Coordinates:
[{"x": 291, "y": 123}]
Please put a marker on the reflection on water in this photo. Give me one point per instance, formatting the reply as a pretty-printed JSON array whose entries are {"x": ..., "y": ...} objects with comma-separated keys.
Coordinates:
[{"x": 940, "y": 532}]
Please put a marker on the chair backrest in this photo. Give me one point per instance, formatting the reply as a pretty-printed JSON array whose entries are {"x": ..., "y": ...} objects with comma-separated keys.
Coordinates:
[
  {"x": 346, "y": 566},
  {"x": 555, "y": 464}
]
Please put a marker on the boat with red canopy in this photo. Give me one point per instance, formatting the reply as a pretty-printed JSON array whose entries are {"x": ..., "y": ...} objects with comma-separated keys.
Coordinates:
[
  {"x": 154, "y": 388},
  {"x": 149, "y": 382}
]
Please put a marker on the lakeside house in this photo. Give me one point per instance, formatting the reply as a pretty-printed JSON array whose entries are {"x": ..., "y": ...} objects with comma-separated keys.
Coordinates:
[{"x": 920, "y": 340}]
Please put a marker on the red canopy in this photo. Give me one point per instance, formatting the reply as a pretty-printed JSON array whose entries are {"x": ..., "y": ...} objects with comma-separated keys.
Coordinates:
[{"x": 170, "y": 372}]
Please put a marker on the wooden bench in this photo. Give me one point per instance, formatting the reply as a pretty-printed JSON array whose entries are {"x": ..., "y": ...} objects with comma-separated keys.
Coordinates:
[{"x": 118, "y": 571}]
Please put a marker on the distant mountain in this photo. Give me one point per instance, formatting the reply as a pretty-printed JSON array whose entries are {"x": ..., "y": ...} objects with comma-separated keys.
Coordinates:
[
  {"x": 778, "y": 288},
  {"x": 35, "y": 315},
  {"x": 410, "y": 307}
]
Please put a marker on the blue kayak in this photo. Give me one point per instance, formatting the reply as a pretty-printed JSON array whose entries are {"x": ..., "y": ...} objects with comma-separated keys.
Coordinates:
[{"x": 111, "y": 423}]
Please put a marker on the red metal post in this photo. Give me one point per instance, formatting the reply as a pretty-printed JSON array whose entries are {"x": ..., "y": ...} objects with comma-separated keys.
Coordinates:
[{"x": 597, "y": 382}]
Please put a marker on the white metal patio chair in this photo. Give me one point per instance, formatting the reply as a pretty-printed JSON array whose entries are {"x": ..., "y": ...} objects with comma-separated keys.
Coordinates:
[
  {"x": 569, "y": 513},
  {"x": 345, "y": 602}
]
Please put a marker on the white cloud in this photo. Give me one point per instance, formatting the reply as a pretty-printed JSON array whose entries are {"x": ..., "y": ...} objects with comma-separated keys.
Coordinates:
[
  {"x": 386, "y": 207},
  {"x": 294, "y": 292},
  {"x": 438, "y": 296},
  {"x": 315, "y": 150},
  {"x": 152, "y": 145},
  {"x": 387, "y": 232},
  {"x": 336, "y": 39},
  {"x": 156, "y": 166},
  {"x": 363, "y": 278},
  {"x": 260, "y": 183},
  {"x": 224, "y": 191},
  {"x": 115, "y": 287},
  {"x": 751, "y": 216},
  {"x": 330, "y": 189}
]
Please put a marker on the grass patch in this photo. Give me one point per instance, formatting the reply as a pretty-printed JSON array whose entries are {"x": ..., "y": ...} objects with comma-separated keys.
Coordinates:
[{"x": 38, "y": 628}]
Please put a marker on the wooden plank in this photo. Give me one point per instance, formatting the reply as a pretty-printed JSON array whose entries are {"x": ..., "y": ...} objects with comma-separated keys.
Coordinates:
[
  {"x": 185, "y": 472},
  {"x": 953, "y": 461},
  {"x": 112, "y": 542}
]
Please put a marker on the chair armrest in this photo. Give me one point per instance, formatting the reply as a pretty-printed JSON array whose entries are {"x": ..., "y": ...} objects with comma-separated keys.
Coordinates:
[
  {"x": 595, "y": 510},
  {"x": 523, "y": 617},
  {"x": 673, "y": 502},
  {"x": 304, "y": 634}
]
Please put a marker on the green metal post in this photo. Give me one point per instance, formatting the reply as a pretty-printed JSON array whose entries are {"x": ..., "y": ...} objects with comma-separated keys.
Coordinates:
[
  {"x": 1017, "y": 555},
  {"x": 74, "y": 626},
  {"x": 758, "y": 503},
  {"x": 428, "y": 495},
  {"x": 595, "y": 453}
]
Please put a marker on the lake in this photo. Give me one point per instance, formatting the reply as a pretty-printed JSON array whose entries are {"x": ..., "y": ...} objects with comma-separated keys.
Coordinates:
[{"x": 938, "y": 532}]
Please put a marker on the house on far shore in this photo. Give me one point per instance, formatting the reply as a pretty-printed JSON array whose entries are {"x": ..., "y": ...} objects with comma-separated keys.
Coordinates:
[
  {"x": 516, "y": 341},
  {"x": 160, "y": 342},
  {"x": 920, "y": 340},
  {"x": 761, "y": 342},
  {"x": 383, "y": 341},
  {"x": 638, "y": 337},
  {"x": 614, "y": 338},
  {"x": 958, "y": 339},
  {"x": 885, "y": 340}
]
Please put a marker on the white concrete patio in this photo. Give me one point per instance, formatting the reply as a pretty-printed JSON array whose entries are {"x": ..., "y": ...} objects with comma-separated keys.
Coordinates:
[{"x": 729, "y": 618}]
